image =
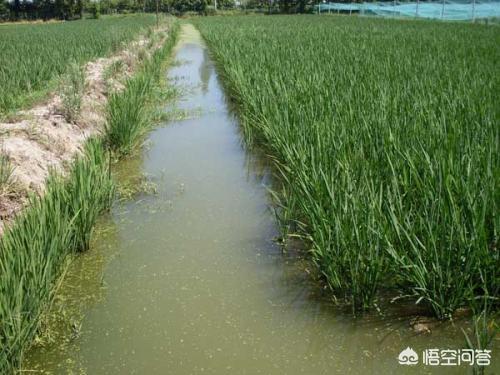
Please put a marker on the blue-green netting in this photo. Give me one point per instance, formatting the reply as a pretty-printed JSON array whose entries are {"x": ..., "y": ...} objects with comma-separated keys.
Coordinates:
[{"x": 445, "y": 10}]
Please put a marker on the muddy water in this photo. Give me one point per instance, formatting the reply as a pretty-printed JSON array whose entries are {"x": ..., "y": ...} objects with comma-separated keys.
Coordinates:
[{"x": 189, "y": 280}]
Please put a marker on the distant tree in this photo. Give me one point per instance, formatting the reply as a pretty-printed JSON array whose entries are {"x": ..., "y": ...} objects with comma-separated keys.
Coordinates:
[
  {"x": 225, "y": 4},
  {"x": 293, "y": 6},
  {"x": 4, "y": 10},
  {"x": 46, "y": 9},
  {"x": 125, "y": 6},
  {"x": 94, "y": 8},
  {"x": 107, "y": 6},
  {"x": 80, "y": 7},
  {"x": 201, "y": 6},
  {"x": 72, "y": 9},
  {"x": 17, "y": 9},
  {"x": 301, "y": 6},
  {"x": 255, "y": 4},
  {"x": 182, "y": 6}
]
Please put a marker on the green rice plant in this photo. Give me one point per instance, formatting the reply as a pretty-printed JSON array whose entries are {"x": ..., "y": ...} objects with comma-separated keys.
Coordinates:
[
  {"x": 33, "y": 250},
  {"x": 34, "y": 56},
  {"x": 127, "y": 115},
  {"x": 444, "y": 270},
  {"x": 484, "y": 331},
  {"x": 385, "y": 135},
  {"x": 130, "y": 113},
  {"x": 72, "y": 90},
  {"x": 150, "y": 32},
  {"x": 29, "y": 255},
  {"x": 85, "y": 201}
]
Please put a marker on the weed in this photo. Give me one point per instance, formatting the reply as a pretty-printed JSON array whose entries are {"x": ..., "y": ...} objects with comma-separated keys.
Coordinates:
[
  {"x": 6, "y": 171},
  {"x": 142, "y": 54},
  {"x": 115, "y": 69},
  {"x": 72, "y": 89}
]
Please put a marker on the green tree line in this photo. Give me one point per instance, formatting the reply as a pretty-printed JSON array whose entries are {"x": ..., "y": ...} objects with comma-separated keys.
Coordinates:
[{"x": 15, "y": 10}]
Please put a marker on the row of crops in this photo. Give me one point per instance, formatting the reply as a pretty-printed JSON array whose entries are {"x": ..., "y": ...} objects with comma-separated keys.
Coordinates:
[
  {"x": 32, "y": 55},
  {"x": 386, "y": 138}
]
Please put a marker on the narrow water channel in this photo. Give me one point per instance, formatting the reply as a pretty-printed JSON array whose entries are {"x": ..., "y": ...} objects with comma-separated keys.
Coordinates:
[{"x": 189, "y": 280}]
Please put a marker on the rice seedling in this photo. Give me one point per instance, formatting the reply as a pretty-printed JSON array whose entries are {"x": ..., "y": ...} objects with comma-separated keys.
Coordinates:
[
  {"x": 33, "y": 56},
  {"x": 85, "y": 201},
  {"x": 484, "y": 331},
  {"x": 385, "y": 136},
  {"x": 127, "y": 115},
  {"x": 130, "y": 113},
  {"x": 29, "y": 254},
  {"x": 34, "y": 248}
]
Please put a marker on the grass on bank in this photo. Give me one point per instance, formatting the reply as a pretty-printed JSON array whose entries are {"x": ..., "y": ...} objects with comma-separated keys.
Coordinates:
[
  {"x": 72, "y": 90},
  {"x": 33, "y": 250},
  {"x": 6, "y": 171},
  {"x": 385, "y": 134}
]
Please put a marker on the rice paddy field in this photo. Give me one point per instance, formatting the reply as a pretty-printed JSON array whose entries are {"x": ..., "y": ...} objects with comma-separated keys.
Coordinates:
[
  {"x": 374, "y": 142},
  {"x": 33, "y": 55},
  {"x": 385, "y": 135}
]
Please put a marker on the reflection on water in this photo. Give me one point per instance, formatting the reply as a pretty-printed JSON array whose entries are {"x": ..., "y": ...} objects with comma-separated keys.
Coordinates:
[
  {"x": 196, "y": 283},
  {"x": 205, "y": 72}
]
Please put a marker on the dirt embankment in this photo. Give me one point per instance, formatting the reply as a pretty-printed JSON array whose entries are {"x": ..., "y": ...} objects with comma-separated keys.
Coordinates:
[
  {"x": 41, "y": 139},
  {"x": 29, "y": 22}
]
